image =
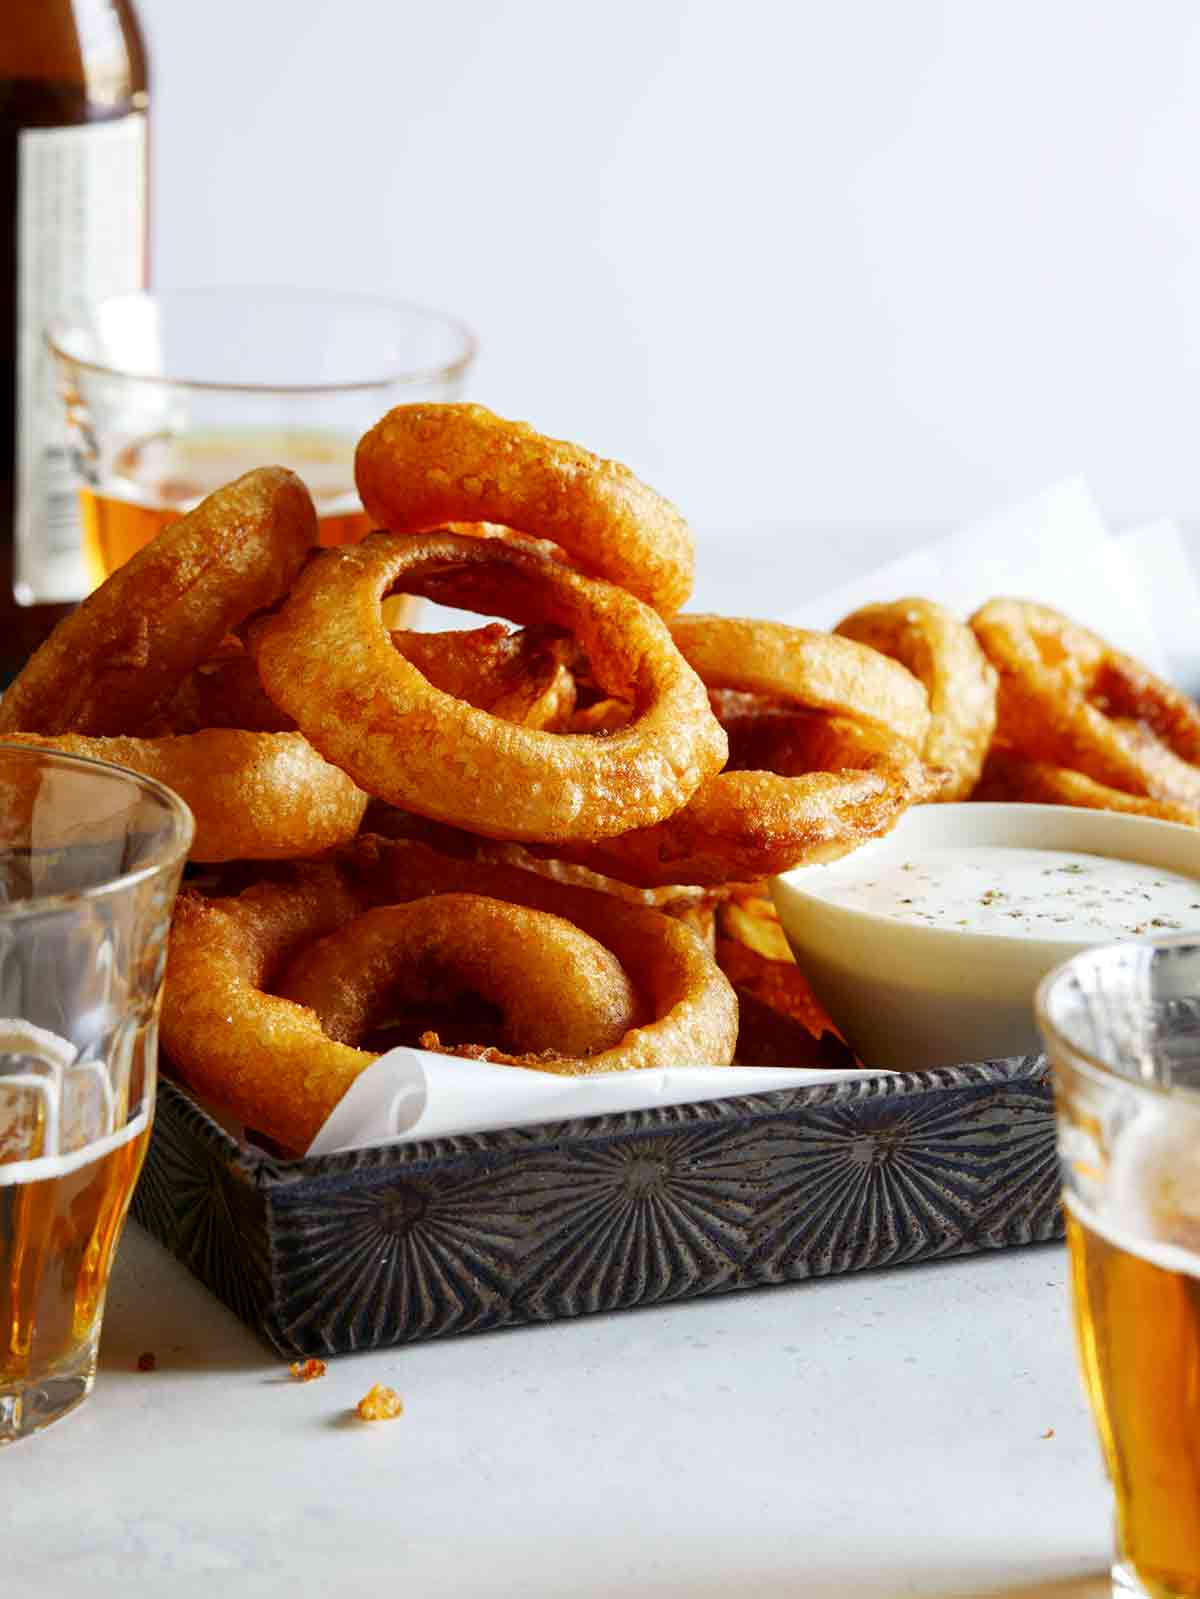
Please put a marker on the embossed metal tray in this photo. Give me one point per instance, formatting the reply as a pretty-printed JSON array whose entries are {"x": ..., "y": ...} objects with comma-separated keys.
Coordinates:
[{"x": 388, "y": 1246}]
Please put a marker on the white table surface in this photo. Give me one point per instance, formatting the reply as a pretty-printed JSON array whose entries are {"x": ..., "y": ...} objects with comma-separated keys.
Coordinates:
[
  {"x": 877, "y": 1434},
  {"x": 915, "y": 1431}
]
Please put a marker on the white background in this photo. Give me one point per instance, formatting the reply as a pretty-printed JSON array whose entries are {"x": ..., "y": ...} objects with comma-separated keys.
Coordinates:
[{"x": 870, "y": 262}]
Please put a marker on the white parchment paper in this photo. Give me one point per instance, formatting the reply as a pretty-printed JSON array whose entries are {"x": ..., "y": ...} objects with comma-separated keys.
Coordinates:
[{"x": 410, "y": 1094}]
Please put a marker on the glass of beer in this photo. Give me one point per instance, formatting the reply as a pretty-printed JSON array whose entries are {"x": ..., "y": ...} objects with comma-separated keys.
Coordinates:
[
  {"x": 168, "y": 396},
  {"x": 90, "y": 859},
  {"x": 1122, "y": 1027}
]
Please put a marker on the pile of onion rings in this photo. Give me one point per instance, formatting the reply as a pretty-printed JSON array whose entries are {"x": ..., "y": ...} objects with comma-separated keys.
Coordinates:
[{"x": 540, "y": 841}]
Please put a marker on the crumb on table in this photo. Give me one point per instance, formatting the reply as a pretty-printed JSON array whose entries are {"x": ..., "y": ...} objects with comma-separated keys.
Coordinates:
[
  {"x": 307, "y": 1370},
  {"x": 379, "y": 1404},
  {"x": 147, "y": 1361}
]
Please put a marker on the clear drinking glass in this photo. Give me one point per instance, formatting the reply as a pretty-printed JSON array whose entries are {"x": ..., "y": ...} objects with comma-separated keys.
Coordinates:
[
  {"x": 168, "y": 396},
  {"x": 1122, "y": 1027},
  {"x": 90, "y": 859}
]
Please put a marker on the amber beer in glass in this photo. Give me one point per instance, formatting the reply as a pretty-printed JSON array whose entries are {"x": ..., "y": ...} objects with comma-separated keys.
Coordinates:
[
  {"x": 169, "y": 396},
  {"x": 90, "y": 858},
  {"x": 1122, "y": 1027}
]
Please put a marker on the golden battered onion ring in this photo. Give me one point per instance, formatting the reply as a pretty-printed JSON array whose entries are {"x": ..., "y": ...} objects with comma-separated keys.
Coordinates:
[
  {"x": 558, "y": 991},
  {"x": 942, "y": 653},
  {"x": 255, "y": 796},
  {"x": 269, "y": 1061},
  {"x": 1067, "y": 699},
  {"x": 327, "y": 660},
  {"x": 820, "y": 786},
  {"x": 425, "y": 465},
  {"x": 813, "y": 671},
  {"x": 693, "y": 1009},
  {"x": 266, "y": 1060},
  {"x": 520, "y": 677},
  {"x": 1009, "y": 777},
  {"x": 117, "y": 660}
]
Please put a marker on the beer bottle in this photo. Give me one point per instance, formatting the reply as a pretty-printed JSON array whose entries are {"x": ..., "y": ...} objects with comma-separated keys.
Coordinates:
[{"x": 73, "y": 209}]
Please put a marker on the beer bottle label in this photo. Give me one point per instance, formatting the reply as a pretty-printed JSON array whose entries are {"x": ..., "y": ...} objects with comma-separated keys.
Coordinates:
[{"x": 81, "y": 228}]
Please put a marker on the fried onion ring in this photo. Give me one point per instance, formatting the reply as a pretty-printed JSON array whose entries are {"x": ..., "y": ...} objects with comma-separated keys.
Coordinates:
[
  {"x": 817, "y": 787},
  {"x": 814, "y": 671},
  {"x": 269, "y": 1061},
  {"x": 520, "y": 677},
  {"x": 942, "y": 653},
  {"x": 265, "y": 1060},
  {"x": 693, "y": 1008},
  {"x": 255, "y": 796},
  {"x": 425, "y": 465},
  {"x": 327, "y": 660},
  {"x": 1067, "y": 699},
  {"x": 117, "y": 660},
  {"x": 558, "y": 990},
  {"x": 1009, "y": 777}
]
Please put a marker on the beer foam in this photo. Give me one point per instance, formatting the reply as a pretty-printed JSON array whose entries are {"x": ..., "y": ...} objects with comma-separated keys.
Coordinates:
[
  {"x": 46, "y": 1167},
  {"x": 1150, "y": 1205}
]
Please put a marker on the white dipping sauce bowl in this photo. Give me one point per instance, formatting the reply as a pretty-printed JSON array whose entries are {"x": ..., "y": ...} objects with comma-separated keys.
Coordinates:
[{"x": 910, "y": 996}]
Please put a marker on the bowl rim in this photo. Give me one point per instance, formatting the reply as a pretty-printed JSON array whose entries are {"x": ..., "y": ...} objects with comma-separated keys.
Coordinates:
[{"x": 1057, "y": 949}]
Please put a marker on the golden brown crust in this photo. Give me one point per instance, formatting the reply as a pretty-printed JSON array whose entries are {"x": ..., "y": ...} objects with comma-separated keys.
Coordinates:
[
  {"x": 810, "y": 671},
  {"x": 1067, "y": 699},
  {"x": 818, "y": 787},
  {"x": 693, "y": 1010},
  {"x": 327, "y": 660},
  {"x": 255, "y": 796},
  {"x": 1009, "y": 777},
  {"x": 117, "y": 660},
  {"x": 264, "y": 1059},
  {"x": 557, "y": 989},
  {"x": 945, "y": 656},
  {"x": 425, "y": 465},
  {"x": 269, "y": 1061}
]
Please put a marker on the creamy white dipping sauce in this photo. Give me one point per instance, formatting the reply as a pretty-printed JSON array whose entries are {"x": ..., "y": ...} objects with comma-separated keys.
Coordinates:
[{"x": 1035, "y": 893}]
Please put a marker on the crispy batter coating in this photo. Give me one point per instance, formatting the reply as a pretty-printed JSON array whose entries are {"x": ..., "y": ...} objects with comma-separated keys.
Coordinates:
[
  {"x": 1066, "y": 699},
  {"x": 523, "y": 676},
  {"x": 1009, "y": 777},
  {"x": 111, "y": 665},
  {"x": 694, "y": 1016},
  {"x": 269, "y": 1061},
  {"x": 780, "y": 1022},
  {"x": 327, "y": 660},
  {"x": 425, "y": 465},
  {"x": 225, "y": 691},
  {"x": 255, "y": 796},
  {"x": 266, "y": 1060},
  {"x": 811, "y": 671},
  {"x": 942, "y": 653},
  {"x": 816, "y": 787},
  {"x": 558, "y": 991}
]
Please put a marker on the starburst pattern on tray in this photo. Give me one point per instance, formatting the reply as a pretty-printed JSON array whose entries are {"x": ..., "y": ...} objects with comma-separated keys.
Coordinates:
[
  {"x": 387, "y": 1246},
  {"x": 631, "y": 1220},
  {"x": 205, "y": 1213},
  {"x": 433, "y": 1257},
  {"x": 905, "y": 1176}
]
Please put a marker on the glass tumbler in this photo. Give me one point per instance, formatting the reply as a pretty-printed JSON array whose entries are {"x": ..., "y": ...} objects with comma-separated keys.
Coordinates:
[
  {"x": 90, "y": 860},
  {"x": 1122, "y": 1027},
  {"x": 168, "y": 396}
]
